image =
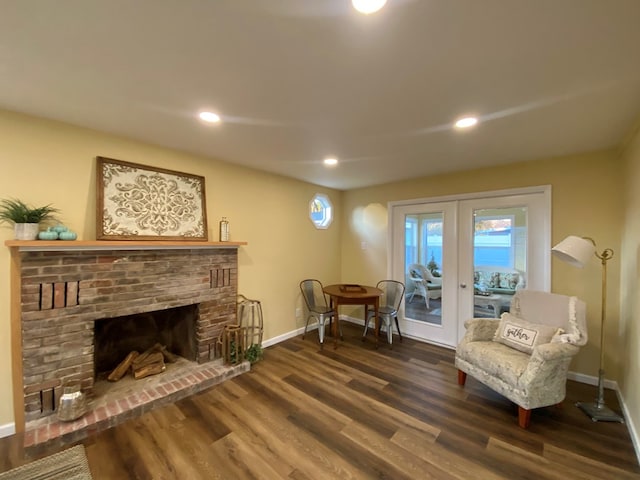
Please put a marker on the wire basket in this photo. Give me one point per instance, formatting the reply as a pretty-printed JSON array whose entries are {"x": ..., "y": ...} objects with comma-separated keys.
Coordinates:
[{"x": 250, "y": 320}]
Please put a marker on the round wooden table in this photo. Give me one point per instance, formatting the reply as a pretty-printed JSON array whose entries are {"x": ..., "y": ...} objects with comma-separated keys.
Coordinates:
[{"x": 351, "y": 294}]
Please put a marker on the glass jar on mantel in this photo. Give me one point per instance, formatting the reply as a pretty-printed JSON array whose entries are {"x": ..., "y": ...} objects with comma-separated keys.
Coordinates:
[{"x": 225, "y": 232}]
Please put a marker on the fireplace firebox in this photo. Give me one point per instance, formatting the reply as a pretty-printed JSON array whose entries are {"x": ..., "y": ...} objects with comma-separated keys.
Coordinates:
[{"x": 115, "y": 338}]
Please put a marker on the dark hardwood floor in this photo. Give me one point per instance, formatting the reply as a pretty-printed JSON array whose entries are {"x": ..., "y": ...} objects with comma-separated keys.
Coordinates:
[{"x": 357, "y": 413}]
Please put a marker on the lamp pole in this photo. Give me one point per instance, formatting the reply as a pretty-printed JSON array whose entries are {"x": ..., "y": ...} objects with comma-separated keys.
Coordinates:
[{"x": 598, "y": 411}]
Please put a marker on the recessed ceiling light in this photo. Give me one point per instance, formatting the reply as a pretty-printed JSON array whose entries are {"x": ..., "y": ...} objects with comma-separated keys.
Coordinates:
[
  {"x": 466, "y": 122},
  {"x": 330, "y": 161},
  {"x": 209, "y": 117},
  {"x": 368, "y": 6}
]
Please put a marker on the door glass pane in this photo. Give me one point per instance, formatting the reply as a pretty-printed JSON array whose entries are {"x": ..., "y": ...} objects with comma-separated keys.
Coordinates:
[
  {"x": 499, "y": 258},
  {"x": 423, "y": 267}
]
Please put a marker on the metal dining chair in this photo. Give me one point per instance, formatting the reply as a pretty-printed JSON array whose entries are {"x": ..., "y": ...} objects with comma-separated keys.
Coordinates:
[
  {"x": 317, "y": 307},
  {"x": 393, "y": 291}
]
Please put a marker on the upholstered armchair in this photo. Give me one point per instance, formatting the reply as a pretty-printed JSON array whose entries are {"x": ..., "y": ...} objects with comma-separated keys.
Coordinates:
[{"x": 525, "y": 354}]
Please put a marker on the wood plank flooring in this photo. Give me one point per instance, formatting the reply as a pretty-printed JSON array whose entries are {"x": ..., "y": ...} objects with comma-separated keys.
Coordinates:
[{"x": 355, "y": 413}]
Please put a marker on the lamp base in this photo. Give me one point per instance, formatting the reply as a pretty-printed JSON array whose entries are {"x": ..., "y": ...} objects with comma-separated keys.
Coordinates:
[{"x": 600, "y": 413}]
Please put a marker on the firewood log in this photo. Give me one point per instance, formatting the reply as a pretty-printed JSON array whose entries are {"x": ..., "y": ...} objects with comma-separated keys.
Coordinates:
[
  {"x": 150, "y": 369},
  {"x": 147, "y": 358},
  {"x": 122, "y": 367},
  {"x": 168, "y": 356}
]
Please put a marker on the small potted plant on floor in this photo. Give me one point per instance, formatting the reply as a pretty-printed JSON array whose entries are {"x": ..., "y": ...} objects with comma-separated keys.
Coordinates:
[{"x": 25, "y": 218}]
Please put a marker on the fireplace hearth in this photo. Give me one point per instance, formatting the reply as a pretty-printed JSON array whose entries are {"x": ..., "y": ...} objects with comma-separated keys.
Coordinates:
[{"x": 114, "y": 403}]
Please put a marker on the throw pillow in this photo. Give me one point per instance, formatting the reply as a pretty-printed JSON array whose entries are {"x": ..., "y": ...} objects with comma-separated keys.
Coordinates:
[
  {"x": 483, "y": 277},
  {"x": 509, "y": 280},
  {"x": 517, "y": 333}
]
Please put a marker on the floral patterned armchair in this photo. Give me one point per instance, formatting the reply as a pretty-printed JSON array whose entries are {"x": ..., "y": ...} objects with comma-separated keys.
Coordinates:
[{"x": 525, "y": 354}]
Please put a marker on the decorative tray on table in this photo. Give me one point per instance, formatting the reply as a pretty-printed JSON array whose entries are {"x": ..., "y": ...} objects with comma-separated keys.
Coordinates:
[{"x": 352, "y": 287}]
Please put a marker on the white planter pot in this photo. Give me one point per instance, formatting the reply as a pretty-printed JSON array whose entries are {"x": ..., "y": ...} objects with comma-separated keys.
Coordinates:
[{"x": 26, "y": 231}]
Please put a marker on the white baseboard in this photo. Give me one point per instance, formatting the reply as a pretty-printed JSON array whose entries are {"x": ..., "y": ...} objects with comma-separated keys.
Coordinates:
[
  {"x": 347, "y": 318},
  {"x": 7, "y": 429},
  {"x": 591, "y": 380},
  {"x": 299, "y": 331},
  {"x": 285, "y": 336},
  {"x": 633, "y": 431}
]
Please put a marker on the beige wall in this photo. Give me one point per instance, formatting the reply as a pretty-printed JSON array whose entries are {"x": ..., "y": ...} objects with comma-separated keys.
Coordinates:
[
  {"x": 47, "y": 162},
  {"x": 629, "y": 328},
  {"x": 586, "y": 200}
]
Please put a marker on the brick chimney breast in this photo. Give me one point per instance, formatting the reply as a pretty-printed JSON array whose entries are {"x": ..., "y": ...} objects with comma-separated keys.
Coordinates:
[{"x": 65, "y": 292}]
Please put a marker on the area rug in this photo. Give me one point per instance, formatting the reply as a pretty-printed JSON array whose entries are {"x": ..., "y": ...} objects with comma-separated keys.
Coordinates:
[{"x": 70, "y": 464}]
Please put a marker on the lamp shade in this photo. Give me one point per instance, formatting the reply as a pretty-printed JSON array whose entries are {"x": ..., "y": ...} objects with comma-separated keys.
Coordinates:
[{"x": 574, "y": 250}]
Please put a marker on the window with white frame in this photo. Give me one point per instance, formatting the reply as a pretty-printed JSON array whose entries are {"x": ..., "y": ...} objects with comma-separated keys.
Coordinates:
[
  {"x": 321, "y": 211},
  {"x": 494, "y": 240}
]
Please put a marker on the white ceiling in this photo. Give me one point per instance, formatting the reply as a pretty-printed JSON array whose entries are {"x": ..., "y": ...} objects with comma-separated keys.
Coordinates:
[{"x": 298, "y": 80}]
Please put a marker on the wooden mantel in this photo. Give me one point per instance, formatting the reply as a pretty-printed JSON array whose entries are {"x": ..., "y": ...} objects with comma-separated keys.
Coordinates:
[{"x": 71, "y": 245}]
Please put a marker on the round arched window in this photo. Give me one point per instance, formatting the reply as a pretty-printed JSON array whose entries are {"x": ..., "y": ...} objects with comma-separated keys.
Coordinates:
[{"x": 321, "y": 211}]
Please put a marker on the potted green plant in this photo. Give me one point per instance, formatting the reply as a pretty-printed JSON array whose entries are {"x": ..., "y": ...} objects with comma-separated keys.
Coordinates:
[
  {"x": 433, "y": 266},
  {"x": 25, "y": 218},
  {"x": 253, "y": 353}
]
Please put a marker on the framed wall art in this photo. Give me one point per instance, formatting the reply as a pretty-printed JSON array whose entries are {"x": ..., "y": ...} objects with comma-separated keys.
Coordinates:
[{"x": 139, "y": 202}]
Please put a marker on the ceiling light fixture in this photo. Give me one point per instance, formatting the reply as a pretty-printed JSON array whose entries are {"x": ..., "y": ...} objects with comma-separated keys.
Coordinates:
[
  {"x": 368, "y": 6},
  {"x": 209, "y": 117},
  {"x": 466, "y": 122},
  {"x": 330, "y": 161}
]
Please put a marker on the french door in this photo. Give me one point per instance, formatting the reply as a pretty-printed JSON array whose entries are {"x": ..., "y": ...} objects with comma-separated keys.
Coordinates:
[
  {"x": 476, "y": 250},
  {"x": 422, "y": 237}
]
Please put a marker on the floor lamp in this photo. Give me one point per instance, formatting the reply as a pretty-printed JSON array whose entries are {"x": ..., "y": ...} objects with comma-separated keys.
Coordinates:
[{"x": 577, "y": 251}]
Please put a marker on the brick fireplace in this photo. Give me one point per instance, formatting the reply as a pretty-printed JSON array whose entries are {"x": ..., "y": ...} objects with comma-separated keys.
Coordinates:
[{"x": 64, "y": 290}]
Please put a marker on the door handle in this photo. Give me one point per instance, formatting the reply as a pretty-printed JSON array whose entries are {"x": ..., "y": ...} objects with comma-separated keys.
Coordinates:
[{"x": 463, "y": 285}]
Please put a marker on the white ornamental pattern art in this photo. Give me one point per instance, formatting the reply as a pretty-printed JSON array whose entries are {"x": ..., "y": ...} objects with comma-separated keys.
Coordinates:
[{"x": 142, "y": 203}]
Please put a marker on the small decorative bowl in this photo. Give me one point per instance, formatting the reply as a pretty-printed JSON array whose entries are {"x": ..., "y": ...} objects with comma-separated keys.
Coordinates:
[
  {"x": 48, "y": 234},
  {"x": 67, "y": 235}
]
